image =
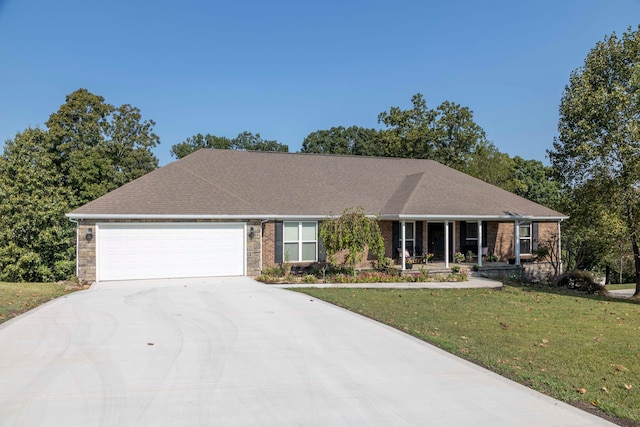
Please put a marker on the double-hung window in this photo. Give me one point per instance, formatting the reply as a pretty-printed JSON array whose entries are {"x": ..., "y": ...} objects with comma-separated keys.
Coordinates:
[
  {"x": 409, "y": 237},
  {"x": 300, "y": 241},
  {"x": 525, "y": 238}
]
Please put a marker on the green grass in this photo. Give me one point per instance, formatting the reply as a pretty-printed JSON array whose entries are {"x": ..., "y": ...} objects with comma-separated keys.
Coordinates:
[
  {"x": 17, "y": 298},
  {"x": 559, "y": 344}
]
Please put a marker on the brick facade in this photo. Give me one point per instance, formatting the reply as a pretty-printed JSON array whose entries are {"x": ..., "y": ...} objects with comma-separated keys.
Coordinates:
[
  {"x": 386, "y": 229},
  {"x": 260, "y": 250},
  {"x": 268, "y": 244},
  {"x": 253, "y": 246},
  {"x": 503, "y": 246},
  {"x": 86, "y": 263}
]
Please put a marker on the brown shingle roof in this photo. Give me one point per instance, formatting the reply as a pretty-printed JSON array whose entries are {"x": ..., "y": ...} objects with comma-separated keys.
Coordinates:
[{"x": 224, "y": 183}]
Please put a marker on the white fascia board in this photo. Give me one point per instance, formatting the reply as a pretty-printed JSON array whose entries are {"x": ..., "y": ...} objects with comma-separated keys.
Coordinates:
[
  {"x": 268, "y": 217},
  {"x": 155, "y": 216},
  {"x": 475, "y": 217},
  {"x": 73, "y": 216}
]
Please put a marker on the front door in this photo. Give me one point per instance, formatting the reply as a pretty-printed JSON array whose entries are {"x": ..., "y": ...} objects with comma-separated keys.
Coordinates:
[{"x": 435, "y": 236}]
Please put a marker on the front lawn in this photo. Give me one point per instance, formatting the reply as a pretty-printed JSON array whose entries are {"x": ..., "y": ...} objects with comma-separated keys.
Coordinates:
[
  {"x": 569, "y": 346},
  {"x": 17, "y": 298}
]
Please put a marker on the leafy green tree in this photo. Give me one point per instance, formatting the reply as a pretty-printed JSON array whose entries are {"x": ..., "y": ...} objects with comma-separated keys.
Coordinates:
[
  {"x": 89, "y": 148},
  {"x": 593, "y": 233},
  {"x": 244, "y": 141},
  {"x": 250, "y": 142},
  {"x": 447, "y": 134},
  {"x": 353, "y": 140},
  {"x": 533, "y": 180},
  {"x": 457, "y": 136},
  {"x": 98, "y": 147},
  {"x": 354, "y": 232},
  {"x": 598, "y": 147},
  {"x": 196, "y": 142},
  {"x": 490, "y": 165},
  {"x": 36, "y": 240},
  {"x": 409, "y": 133}
]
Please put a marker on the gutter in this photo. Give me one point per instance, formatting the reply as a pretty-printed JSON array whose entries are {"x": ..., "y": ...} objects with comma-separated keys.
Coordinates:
[
  {"x": 474, "y": 217},
  {"x": 269, "y": 217}
]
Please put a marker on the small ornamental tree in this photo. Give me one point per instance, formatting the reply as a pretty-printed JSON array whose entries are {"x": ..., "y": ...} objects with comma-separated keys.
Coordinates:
[{"x": 354, "y": 232}]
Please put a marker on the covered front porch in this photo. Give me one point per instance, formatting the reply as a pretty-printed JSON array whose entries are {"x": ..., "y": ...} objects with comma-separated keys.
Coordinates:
[
  {"x": 442, "y": 243},
  {"x": 488, "y": 269}
]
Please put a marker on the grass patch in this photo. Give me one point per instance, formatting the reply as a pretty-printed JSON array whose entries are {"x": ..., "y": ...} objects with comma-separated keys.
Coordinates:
[
  {"x": 17, "y": 298},
  {"x": 571, "y": 347}
]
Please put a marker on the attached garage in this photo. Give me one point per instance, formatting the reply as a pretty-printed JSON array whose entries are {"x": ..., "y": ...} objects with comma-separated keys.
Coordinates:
[{"x": 127, "y": 251}]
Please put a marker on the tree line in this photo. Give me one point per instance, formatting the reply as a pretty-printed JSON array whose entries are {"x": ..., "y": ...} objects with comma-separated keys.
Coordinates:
[
  {"x": 90, "y": 147},
  {"x": 447, "y": 134}
]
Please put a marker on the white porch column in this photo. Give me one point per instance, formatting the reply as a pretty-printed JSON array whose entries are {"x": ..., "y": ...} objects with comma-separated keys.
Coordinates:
[
  {"x": 516, "y": 240},
  {"x": 403, "y": 224},
  {"x": 480, "y": 243},
  {"x": 446, "y": 244}
]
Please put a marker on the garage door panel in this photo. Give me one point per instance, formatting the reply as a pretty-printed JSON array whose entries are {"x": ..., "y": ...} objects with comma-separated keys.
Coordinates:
[{"x": 147, "y": 251}]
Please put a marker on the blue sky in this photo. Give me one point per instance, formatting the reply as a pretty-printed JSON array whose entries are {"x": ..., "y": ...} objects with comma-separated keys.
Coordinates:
[{"x": 287, "y": 68}]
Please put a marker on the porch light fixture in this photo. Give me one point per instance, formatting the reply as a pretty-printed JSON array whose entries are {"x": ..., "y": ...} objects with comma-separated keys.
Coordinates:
[
  {"x": 252, "y": 233},
  {"x": 89, "y": 235}
]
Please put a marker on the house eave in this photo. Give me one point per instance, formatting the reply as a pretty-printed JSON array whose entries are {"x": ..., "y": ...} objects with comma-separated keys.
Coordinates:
[
  {"x": 275, "y": 217},
  {"x": 508, "y": 217},
  {"x": 80, "y": 216}
]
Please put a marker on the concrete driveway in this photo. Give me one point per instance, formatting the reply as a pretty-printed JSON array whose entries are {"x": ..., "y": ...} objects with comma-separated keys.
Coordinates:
[
  {"x": 622, "y": 293},
  {"x": 233, "y": 352}
]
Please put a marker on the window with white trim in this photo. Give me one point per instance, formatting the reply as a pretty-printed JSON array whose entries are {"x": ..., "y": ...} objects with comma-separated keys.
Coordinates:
[
  {"x": 300, "y": 240},
  {"x": 409, "y": 237},
  {"x": 525, "y": 238}
]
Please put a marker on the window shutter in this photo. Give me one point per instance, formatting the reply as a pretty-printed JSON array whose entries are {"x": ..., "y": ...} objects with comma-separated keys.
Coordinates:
[
  {"x": 395, "y": 239},
  {"x": 484, "y": 234},
  {"x": 278, "y": 242},
  {"x": 419, "y": 246},
  {"x": 463, "y": 236},
  {"x": 534, "y": 237}
]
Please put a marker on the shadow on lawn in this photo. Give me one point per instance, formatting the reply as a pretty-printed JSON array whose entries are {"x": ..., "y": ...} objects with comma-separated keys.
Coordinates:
[{"x": 557, "y": 290}]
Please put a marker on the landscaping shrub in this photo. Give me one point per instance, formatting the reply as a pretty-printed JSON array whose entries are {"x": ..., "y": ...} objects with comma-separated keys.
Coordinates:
[
  {"x": 276, "y": 270},
  {"x": 582, "y": 281},
  {"x": 309, "y": 278},
  {"x": 332, "y": 274}
]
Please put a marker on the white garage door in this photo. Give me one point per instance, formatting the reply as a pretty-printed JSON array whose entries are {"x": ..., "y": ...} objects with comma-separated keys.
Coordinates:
[{"x": 151, "y": 251}]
